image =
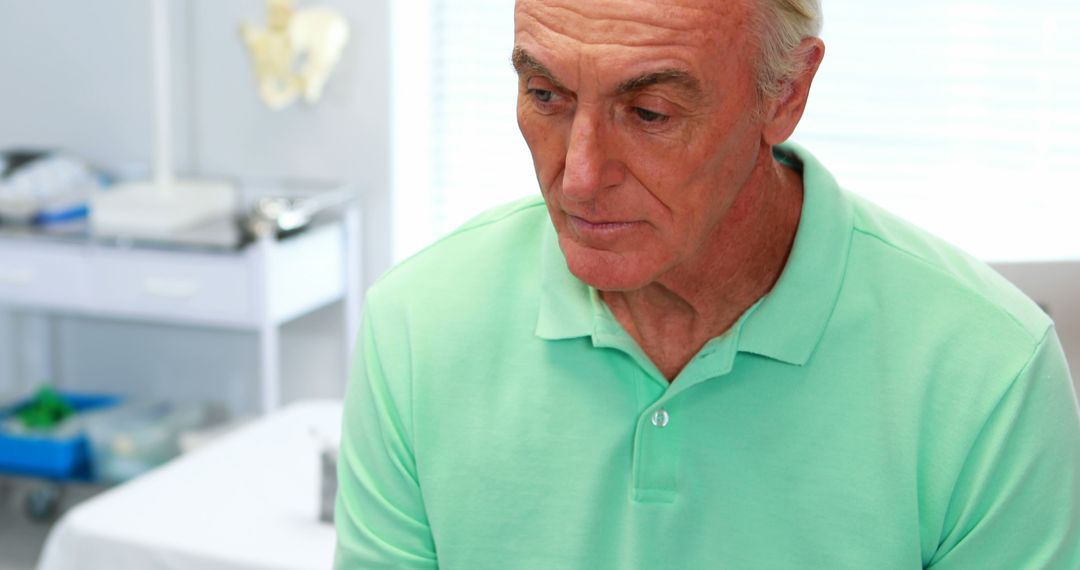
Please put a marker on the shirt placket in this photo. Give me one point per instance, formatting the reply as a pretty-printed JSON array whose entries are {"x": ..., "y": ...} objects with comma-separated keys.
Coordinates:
[
  {"x": 662, "y": 427},
  {"x": 656, "y": 455}
]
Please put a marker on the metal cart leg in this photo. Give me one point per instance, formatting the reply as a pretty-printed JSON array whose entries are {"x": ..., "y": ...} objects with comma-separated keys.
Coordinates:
[{"x": 42, "y": 502}]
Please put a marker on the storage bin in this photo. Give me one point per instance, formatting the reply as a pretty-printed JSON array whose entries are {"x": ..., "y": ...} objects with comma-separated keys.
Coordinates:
[
  {"x": 133, "y": 438},
  {"x": 60, "y": 453}
]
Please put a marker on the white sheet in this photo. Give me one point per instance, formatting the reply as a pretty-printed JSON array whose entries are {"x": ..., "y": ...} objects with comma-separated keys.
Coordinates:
[{"x": 247, "y": 501}]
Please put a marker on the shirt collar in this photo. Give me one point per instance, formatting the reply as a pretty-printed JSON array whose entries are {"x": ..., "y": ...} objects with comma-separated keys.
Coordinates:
[
  {"x": 787, "y": 323},
  {"x": 566, "y": 303},
  {"x": 791, "y": 319}
]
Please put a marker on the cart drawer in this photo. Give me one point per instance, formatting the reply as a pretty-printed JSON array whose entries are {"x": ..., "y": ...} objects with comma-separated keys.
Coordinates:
[
  {"x": 40, "y": 274},
  {"x": 186, "y": 287}
]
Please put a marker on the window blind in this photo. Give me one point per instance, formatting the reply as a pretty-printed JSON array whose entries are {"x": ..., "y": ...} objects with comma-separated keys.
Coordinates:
[{"x": 954, "y": 114}]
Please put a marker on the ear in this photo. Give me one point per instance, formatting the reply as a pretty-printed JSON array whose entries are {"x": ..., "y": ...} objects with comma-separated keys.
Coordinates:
[{"x": 785, "y": 111}]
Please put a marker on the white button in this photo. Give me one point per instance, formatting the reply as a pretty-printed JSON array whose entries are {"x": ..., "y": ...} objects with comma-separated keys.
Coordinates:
[{"x": 660, "y": 418}]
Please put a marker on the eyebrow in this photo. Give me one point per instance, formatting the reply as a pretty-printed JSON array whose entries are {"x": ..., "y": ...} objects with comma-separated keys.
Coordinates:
[
  {"x": 682, "y": 79},
  {"x": 523, "y": 61}
]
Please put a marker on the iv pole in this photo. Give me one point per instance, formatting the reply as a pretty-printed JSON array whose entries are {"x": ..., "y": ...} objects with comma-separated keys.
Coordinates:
[{"x": 165, "y": 205}]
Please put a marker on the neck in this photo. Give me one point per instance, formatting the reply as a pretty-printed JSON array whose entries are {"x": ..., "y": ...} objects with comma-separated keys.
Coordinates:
[{"x": 673, "y": 317}]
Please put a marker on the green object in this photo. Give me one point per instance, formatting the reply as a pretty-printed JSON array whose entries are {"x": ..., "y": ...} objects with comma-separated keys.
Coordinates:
[
  {"x": 46, "y": 410},
  {"x": 892, "y": 403}
]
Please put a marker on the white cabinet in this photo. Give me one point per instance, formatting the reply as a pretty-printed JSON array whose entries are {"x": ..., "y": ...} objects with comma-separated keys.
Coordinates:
[{"x": 257, "y": 288}]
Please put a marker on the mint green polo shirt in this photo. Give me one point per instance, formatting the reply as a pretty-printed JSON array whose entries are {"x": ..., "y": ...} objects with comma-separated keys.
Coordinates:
[{"x": 891, "y": 403}]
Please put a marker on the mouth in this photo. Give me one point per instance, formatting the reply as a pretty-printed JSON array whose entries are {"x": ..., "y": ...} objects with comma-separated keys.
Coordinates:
[{"x": 599, "y": 229}]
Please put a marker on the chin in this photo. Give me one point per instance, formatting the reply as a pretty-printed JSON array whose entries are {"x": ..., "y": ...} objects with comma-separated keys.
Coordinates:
[{"x": 607, "y": 270}]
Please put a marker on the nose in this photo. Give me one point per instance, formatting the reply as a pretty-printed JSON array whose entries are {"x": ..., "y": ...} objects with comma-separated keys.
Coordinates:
[{"x": 590, "y": 164}]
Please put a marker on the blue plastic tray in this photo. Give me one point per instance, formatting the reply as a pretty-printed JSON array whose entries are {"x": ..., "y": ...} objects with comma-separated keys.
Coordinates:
[{"x": 50, "y": 457}]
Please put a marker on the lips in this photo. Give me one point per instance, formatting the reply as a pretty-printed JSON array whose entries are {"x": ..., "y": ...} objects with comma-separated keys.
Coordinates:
[
  {"x": 596, "y": 225},
  {"x": 598, "y": 231}
]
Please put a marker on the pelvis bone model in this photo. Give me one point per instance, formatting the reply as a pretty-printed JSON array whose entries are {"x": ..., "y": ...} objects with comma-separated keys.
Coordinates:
[{"x": 296, "y": 52}]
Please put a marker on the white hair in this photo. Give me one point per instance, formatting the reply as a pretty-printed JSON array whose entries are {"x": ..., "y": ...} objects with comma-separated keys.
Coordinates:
[{"x": 782, "y": 25}]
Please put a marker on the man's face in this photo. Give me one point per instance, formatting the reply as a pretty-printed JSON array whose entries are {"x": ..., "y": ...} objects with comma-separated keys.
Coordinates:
[{"x": 641, "y": 120}]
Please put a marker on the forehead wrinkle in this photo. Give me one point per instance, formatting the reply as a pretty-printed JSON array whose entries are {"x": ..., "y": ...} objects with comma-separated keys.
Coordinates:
[
  {"x": 622, "y": 28},
  {"x": 586, "y": 31},
  {"x": 624, "y": 17}
]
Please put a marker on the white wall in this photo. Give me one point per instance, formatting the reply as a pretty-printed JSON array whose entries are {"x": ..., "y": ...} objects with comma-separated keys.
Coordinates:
[{"x": 76, "y": 76}]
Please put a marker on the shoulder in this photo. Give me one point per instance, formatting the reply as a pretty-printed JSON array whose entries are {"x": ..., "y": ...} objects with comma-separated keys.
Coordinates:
[
  {"x": 917, "y": 295},
  {"x": 478, "y": 245},
  {"x": 934, "y": 277},
  {"x": 493, "y": 254}
]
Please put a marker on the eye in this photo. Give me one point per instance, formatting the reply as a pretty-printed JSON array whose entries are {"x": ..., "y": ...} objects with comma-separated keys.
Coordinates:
[
  {"x": 649, "y": 116},
  {"x": 542, "y": 95}
]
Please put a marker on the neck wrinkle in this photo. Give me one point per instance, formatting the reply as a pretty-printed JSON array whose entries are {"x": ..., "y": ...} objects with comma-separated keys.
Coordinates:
[{"x": 672, "y": 318}]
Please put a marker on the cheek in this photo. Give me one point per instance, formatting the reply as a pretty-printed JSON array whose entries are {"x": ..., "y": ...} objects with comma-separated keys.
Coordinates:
[
  {"x": 687, "y": 192},
  {"x": 669, "y": 180},
  {"x": 547, "y": 147}
]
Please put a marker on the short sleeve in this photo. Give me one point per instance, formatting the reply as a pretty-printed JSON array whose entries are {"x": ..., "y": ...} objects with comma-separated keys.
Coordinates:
[
  {"x": 1016, "y": 503},
  {"x": 380, "y": 516}
]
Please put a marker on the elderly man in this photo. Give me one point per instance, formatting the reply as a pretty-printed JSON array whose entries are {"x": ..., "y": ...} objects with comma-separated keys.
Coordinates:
[{"x": 696, "y": 351}]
